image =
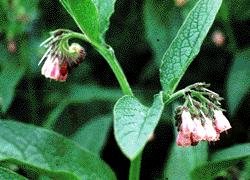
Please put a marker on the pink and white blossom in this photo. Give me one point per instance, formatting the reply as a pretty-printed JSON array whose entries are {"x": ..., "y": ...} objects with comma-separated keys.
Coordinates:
[
  {"x": 187, "y": 124},
  {"x": 183, "y": 139},
  {"x": 221, "y": 123},
  {"x": 211, "y": 134},
  {"x": 51, "y": 69},
  {"x": 199, "y": 131}
]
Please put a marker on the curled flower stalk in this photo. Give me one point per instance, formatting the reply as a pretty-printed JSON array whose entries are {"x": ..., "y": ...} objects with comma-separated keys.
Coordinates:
[
  {"x": 60, "y": 57},
  {"x": 200, "y": 118}
]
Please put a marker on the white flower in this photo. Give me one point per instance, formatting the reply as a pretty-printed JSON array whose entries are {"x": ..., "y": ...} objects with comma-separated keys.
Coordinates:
[
  {"x": 211, "y": 134},
  {"x": 199, "y": 131},
  {"x": 187, "y": 124},
  {"x": 221, "y": 122}
]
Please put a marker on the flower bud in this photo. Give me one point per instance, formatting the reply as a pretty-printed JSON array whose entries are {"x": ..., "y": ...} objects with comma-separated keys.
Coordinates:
[{"x": 79, "y": 51}]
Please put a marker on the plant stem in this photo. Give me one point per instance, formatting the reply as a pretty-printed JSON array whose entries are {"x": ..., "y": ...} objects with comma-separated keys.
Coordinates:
[
  {"x": 175, "y": 96},
  {"x": 135, "y": 166},
  {"x": 108, "y": 54},
  {"x": 53, "y": 116}
]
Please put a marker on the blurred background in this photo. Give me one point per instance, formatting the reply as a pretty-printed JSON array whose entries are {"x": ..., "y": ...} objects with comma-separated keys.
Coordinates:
[{"x": 140, "y": 32}]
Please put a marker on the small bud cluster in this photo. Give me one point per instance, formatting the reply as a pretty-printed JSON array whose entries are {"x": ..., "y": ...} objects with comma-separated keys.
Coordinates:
[
  {"x": 200, "y": 118},
  {"x": 60, "y": 58}
]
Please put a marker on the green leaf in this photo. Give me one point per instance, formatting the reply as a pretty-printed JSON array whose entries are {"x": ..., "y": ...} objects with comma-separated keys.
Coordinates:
[
  {"x": 91, "y": 16},
  {"x": 221, "y": 161},
  {"x": 134, "y": 123},
  {"x": 187, "y": 43},
  {"x": 42, "y": 150},
  {"x": 93, "y": 135},
  {"x": 182, "y": 160},
  {"x": 238, "y": 83},
  {"x": 86, "y": 17},
  {"x": 10, "y": 76},
  {"x": 6, "y": 174},
  {"x": 105, "y": 9}
]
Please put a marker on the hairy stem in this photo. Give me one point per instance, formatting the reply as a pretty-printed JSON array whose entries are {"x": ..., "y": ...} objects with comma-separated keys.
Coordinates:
[{"x": 108, "y": 54}]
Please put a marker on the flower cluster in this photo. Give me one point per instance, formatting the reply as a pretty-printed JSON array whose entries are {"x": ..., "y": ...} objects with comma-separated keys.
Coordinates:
[
  {"x": 200, "y": 119},
  {"x": 60, "y": 58}
]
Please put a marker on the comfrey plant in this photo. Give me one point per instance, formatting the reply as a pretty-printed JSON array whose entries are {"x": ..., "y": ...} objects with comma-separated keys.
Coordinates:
[
  {"x": 199, "y": 119},
  {"x": 192, "y": 116}
]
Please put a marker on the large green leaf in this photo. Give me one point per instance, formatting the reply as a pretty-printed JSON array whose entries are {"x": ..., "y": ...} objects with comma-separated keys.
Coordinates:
[
  {"x": 187, "y": 43},
  {"x": 86, "y": 17},
  {"x": 182, "y": 161},
  {"x": 238, "y": 83},
  {"x": 91, "y": 16},
  {"x": 134, "y": 123},
  {"x": 6, "y": 174},
  {"x": 93, "y": 135},
  {"x": 38, "y": 149},
  {"x": 221, "y": 161},
  {"x": 10, "y": 76},
  {"x": 105, "y": 9}
]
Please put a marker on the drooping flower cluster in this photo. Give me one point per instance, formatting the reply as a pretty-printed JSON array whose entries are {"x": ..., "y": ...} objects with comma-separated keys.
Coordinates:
[
  {"x": 60, "y": 58},
  {"x": 201, "y": 118}
]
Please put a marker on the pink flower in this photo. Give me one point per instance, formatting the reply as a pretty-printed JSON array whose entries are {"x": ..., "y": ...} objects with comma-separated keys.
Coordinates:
[
  {"x": 199, "y": 131},
  {"x": 51, "y": 69},
  {"x": 211, "y": 134},
  {"x": 187, "y": 124},
  {"x": 183, "y": 139},
  {"x": 60, "y": 58},
  {"x": 221, "y": 122}
]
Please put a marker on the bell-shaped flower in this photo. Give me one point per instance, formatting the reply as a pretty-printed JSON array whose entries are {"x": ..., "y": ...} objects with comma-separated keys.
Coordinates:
[
  {"x": 187, "y": 124},
  {"x": 211, "y": 134},
  {"x": 51, "y": 69},
  {"x": 199, "y": 131},
  {"x": 221, "y": 122}
]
